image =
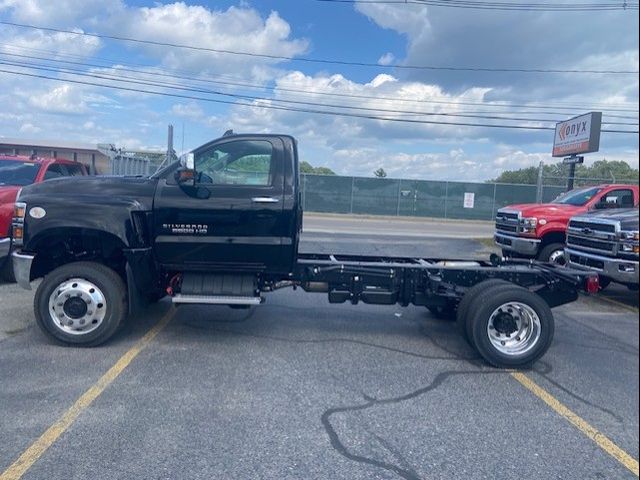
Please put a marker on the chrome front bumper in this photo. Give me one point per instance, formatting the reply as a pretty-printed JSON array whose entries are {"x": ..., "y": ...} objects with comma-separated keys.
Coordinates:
[
  {"x": 523, "y": 246},
  {"x": 621, "y": 271},
  {"x": 22, "y": 269}
]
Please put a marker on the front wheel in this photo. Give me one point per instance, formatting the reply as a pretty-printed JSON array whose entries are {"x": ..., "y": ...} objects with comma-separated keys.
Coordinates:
[
  {"x": 81, "y": 303},
  {"x": 553, "y": 253},
  {"x": 512, "y": 328}
]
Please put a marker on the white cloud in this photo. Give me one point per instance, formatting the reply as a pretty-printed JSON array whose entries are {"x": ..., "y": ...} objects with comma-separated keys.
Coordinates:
[
  {"x": 239, "y": 29},
  {"x": 387, "y": 59},
  {"x": 190, "y": 110},
  {"x": 60, "y": 99},
  {"x": 29, "y": 128},
  {"x": 62, "y": 13}
]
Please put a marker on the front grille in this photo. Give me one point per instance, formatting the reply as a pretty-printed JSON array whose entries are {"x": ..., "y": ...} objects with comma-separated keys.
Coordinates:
[
  {"x": 507, "y": 228},
  {"x": 590, "y": 243},
  {"x": 594, "y": 227},
  {"x": 508, "y": 222},
  {"x": 592, "y": 236},
  {"x": 507, "y": 216}
]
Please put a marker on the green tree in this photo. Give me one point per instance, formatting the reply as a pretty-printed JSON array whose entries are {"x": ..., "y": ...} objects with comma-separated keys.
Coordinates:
[
  {"x": 380, "y": 173},
  {"x": 600, "y": 171},
  {"x": 306, "y": 167}
]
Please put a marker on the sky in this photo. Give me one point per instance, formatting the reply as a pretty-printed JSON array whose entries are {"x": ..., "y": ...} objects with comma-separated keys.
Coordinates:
[{"x": 319, "y": 70}]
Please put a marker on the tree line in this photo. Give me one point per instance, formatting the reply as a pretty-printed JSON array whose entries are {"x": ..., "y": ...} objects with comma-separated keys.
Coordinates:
[{"x": 601, "y": 171}]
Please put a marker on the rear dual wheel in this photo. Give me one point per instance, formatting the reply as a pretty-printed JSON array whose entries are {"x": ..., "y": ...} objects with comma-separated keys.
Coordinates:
[{"x": 508, "y": 325}]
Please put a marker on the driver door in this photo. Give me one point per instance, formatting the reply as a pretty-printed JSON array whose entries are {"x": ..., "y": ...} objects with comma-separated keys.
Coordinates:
[{"x": 232, "y": 219}]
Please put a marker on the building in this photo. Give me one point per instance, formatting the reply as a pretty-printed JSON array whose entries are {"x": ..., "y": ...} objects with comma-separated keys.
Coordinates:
[{"x": 101, "y": 159}]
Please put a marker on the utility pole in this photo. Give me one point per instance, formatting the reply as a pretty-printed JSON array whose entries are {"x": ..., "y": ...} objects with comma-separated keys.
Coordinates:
[
  {"x": 169, "y": 144},
  {"x": 539, "y": 185}
]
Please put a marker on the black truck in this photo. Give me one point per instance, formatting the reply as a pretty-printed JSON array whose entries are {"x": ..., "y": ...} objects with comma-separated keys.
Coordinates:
[
  {"x": 222, "y": 227},
  {"x": 606, "y": 242}
]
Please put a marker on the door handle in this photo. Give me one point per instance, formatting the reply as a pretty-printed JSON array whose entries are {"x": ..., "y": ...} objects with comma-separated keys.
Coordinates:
[{"x": 265, "y": 200}]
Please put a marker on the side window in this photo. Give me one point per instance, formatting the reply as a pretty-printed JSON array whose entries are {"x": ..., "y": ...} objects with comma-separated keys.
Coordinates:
[
  {"x": 74, "y": 170},
  {"x": 621, "y": 198},
  {"x": 54, "y": 171},
  {"x": 243, "y": 162}
]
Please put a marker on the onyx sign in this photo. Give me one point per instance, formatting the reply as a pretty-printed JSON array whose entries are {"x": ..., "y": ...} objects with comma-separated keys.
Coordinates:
[{"x": 578, "y": 135}]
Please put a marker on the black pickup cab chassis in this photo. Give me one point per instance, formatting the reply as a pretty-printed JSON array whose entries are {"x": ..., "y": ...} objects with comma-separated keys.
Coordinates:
[{"x": 222, "y": 227}]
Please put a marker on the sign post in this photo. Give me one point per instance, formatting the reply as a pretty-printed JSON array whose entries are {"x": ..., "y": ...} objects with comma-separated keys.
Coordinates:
[
  {"x": 572, "y": 161},
  {"x": 577, "y": 135}
]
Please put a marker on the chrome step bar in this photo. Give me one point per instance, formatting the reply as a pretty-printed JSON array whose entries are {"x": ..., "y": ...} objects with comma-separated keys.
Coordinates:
[{"x": 216, "y": 299}]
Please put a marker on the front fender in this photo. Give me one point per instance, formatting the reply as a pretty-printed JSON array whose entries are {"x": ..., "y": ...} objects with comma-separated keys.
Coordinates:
[
  {"x": 113, "y": 216},
  {"x": 552, "y": 228}
]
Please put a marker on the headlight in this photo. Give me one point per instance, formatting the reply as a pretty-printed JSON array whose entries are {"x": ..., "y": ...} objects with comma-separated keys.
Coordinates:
[
  {"x": 19, "y": 211},
  {"x": 17, "y": 225},
  {"x": 629, "y": 236},
  {"x": 528, "y": 225}
]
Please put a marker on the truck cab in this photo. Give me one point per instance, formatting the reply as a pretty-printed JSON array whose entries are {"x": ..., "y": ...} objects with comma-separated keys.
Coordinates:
[
  {"x": 606, "y": 242},
  {"x": 17, "y": 171},
  {"x": 538, "y": 231},
  {"x": 240, "y": 212}
]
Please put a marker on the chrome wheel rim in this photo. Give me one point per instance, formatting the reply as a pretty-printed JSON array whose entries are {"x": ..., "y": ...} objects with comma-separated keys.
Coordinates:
[
  {"x": 557, "y": 257},
  {"x": 77, "y": 307},
  {"x": 514, "y": 328}
]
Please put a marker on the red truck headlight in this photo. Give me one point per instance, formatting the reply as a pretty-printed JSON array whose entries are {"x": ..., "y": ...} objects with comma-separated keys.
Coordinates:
[{"x": 528, "y": 225}]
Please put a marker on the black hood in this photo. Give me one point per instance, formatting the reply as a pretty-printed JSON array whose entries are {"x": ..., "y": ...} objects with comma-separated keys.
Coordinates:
[{"x": 134, "y": 188}]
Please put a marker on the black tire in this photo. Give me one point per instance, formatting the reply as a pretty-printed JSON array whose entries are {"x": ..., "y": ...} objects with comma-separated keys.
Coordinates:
[
  {"x": 110, "y": 286},
  {"x": 604, "y": 282},
  {"x": 531, "y": 350},
  {"x": 6, "y": 272},
  {"x": 469, "y": 298},
  {"x": 547, "y": 253},
  {"x": 444, "y": 312}
]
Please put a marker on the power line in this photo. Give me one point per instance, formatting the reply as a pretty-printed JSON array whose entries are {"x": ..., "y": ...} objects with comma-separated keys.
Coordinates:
[
  {"x": 321, "y": 93},
  {"x": 378, "y": 110},
  {"x": 317, "y": 60},
  {"x": 504, "y": 6},
  {"x": 299, "y": 110}
]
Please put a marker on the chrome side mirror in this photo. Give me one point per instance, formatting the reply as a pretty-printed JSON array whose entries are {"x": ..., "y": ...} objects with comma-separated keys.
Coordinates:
[
  {"x": 188, "y": 161},
  {"x": 186, "y": 174}
]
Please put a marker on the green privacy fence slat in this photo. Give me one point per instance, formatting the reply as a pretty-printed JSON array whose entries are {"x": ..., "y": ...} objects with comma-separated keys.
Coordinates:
[{"x": 414, "y": 198}]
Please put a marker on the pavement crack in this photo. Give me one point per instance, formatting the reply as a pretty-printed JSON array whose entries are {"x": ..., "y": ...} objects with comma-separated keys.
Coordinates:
[
  {"x": 406, "y": 472},
  {"x": 543, "y": 369},
  {"x": 335, "y": 340}
]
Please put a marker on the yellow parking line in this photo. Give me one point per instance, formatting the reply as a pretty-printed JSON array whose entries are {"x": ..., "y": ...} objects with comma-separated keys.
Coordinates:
[
  {"x": 37, "y": 448},
  {"x": 601, "y": 440}
]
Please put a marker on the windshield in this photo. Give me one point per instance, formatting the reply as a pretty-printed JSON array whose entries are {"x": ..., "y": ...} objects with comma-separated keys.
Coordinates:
[
  {"x": 14, "y": 172},
  {"x": 577, "y": 197}
]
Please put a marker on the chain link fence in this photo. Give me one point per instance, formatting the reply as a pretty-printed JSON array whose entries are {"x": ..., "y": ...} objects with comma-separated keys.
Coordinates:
[{"x": 415, "y": 198}]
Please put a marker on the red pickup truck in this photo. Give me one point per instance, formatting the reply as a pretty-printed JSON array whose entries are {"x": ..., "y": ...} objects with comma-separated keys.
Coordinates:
[
  {"x": 537, "y": 230},
  {"x": 17, "y": 171}
]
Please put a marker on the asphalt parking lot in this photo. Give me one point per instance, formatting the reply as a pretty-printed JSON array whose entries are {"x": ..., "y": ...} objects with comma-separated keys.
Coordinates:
[{"x": 298, "y": 388}]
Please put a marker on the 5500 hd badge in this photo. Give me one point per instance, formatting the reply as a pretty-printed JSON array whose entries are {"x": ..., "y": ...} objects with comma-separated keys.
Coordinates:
[{"x": 186, "y": 228}]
